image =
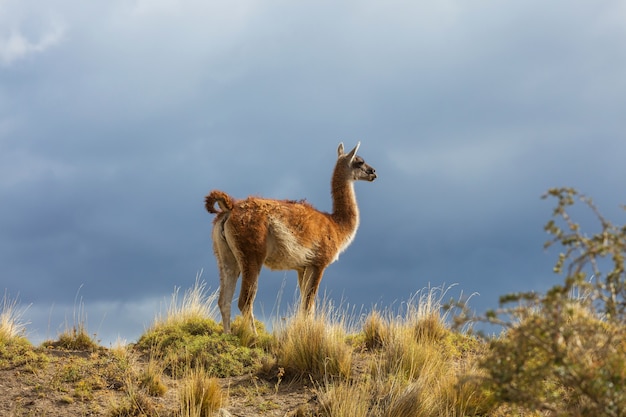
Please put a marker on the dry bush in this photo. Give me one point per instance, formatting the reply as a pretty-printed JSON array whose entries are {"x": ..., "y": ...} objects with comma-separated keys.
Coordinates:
[
  {"x": 563, "y": 351},
  {"x": 568, "y": 360}
]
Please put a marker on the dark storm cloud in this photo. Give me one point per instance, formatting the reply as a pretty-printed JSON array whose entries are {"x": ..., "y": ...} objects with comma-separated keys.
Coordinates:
[{"x": 116, "y": 119}]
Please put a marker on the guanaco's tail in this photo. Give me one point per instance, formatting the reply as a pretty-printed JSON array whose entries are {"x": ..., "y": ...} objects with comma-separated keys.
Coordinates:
[{"x": 223, "y": 200}]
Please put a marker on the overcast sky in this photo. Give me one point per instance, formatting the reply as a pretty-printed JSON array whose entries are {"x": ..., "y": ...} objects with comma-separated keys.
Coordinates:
[{"x": 117, "y": 117}]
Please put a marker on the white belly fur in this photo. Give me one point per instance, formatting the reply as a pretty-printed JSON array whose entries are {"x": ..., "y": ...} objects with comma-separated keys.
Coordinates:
[{"x": 283, "y": 249}]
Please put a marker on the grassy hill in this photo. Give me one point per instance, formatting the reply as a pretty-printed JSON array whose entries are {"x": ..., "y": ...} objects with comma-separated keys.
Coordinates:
[
  {"x": 185, "y": 366},
  {"x": 411, "y": 364},
  {"x": 562, "y": 353}
]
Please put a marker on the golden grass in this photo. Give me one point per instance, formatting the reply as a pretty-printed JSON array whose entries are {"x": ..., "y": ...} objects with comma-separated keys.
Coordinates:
[
  {"x": 151, "y": 378},
  {"x": 404, "y": 364},
  {"x": 134, "y": 403},
  {"x": 196, "y": 303},
  {"x": 243, "y": 331},
  {"x": 200, "y": 394},
  {"x": 419, "y": 367},
  {"x": 346, "y": 399},
  {"x": 423, "y": 356},
  {"x": 375, "y": 330},
  {"x": 11, "y": 324},
  {"x": 75, "y": 338},
  {"x": 314, "y": 346}
]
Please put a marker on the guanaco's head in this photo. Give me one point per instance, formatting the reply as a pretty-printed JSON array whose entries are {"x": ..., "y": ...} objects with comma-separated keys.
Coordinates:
[{"x": 353, "y": 165}]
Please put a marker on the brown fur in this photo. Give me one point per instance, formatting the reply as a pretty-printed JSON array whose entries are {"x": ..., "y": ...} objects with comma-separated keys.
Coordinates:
[
  {"x": 283, "y": 235},
  {"x": 221, "y": 198}
]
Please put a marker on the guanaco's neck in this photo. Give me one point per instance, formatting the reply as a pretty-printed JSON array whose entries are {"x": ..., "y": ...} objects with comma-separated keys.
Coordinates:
[{"x": 345, "y": 210}]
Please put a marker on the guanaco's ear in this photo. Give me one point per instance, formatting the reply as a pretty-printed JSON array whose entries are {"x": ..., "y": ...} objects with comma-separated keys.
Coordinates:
[
  {"x": 340, "y": 149},
  {"x": 352, "y": 153}
]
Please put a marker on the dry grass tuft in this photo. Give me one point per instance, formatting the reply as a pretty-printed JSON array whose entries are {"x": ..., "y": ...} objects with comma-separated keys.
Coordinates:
[
  {"x": 75, "y": 338},
  {"x": 151, "y": 378},
  {"x": 346, "y": 399},
  {"x": 375, "y": 330},
  {"x": 134, "y": 404},
  {"x": 314, "y": 346},
  {"x": 427, "y": 362},
  {"x": 440, "y": 389},
  {"x": 200, "y": 394},
  {"x": 195, "y": 304},
  {"x": 424, "y": 315},
  {"x": 242, "y": 330},
  {"x": 419, "y": 367},
  {"x": 11, "y": 324},
  {"x": 409, "y": 359},
  {"x": 414, "y": 339}
]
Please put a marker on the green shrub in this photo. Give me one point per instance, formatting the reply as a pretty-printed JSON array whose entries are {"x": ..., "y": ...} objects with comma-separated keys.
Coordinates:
[
  {"x": 75, "y": 338},
  {"x": 199, "y": 343},
  {"x": 564, "y": 351},
  {"x": 188, "y": 336}
]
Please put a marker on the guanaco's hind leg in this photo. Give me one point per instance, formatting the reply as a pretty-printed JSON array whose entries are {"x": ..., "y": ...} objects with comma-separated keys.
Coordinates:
[
  {"x": 249, "y": 284},
  {"x": 229, "y": 273}
]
